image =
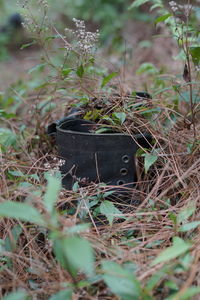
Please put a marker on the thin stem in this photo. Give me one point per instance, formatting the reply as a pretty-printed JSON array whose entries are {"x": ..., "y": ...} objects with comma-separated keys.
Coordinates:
[{"x": 189, "y": 72}]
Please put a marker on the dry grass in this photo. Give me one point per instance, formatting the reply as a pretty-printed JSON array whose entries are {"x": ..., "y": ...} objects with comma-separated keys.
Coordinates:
[{"x": 171, "y": 184}]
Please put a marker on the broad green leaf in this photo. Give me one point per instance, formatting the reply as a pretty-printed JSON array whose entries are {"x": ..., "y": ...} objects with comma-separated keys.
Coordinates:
[
  {"x": 108, "y": 209},
  {"x": 120, "y": 281},
  {"x": 108, "y": 78},
  {"x": 179, "y": 247},
  {"x": 162, "y": 18},
  {"x": 189, "y": 226},
  {"x": 121, "y": 116},
  {"x": 147, "y": 68},
  {"x": 16, "y": 173},
  {"x": 80, "y": 71},
  {"x": 79, "y": 254},
  {"x": 195, "y": 53},
  {"x": 137, "y": 3},
  {"x": 7, "y": 137},
  {"x": 185, "y": 213},
  {"x": 149, "y": 160},
  {"x": 188, "y": 294},
  {"x": 62, "y": 295},
  {"x": 51, "y": 195},
  {"x": 19, "y": 295},
  {"x": 156, "y": 278},
  {"x": 21, "y": 211}
]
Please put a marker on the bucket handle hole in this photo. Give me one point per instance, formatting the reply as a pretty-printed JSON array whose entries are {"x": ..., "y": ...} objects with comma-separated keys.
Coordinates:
[{"x": 125, "y": 158}]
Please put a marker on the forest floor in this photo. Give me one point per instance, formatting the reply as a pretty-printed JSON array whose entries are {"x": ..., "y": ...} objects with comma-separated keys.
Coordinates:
[{"x": 149, "y": 228}]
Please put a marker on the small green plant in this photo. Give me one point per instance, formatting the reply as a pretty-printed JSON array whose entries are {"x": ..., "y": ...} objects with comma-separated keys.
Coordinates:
[{"x": 180, "y": 18}]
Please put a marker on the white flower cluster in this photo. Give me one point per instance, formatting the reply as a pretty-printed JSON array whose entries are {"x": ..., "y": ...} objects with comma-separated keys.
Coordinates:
[
  {"x": 173, "y": 5},
  {"x": 58, "y": 163},
  {"x": 185, "y": 8},
  {"x": 29, "y": 23},
  {"x": 86, "y": 40}
]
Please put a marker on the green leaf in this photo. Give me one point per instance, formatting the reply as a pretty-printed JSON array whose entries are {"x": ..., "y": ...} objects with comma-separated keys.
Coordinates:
[
  {"x": 189, "y": 226},
  {"x": 7, "y": 137},
  {"x": 120, "y": 281},
  {"x": 16, "y": 173},
  {"x": 19, "y": 295},
  {"x": 185, "y": 213},
  {"x": 79, "y": 254},
  {"x": 28, "y": 45},
  {"x": 62, "y": 295},
  {"x": 137, "y": 3},
  {"x": 121, "y": 116},
  {"x": 108, "y": 78},
  {"x": 52, "y": 192},
  {"x": 80, "y": 71},
  {"x": 11, "y": 240},
  {"x": 149, "y": 160},
  {"x": 21, "y": 211},
  {"x": 108, "y": 209},
  {"x": 39, "y": 67},
  {"x": 66, "y": 72},
  {"x": 195, "y": 53},
  {"x": 179, "y": 247},
  {"x": 147, "y": 68},
  {"x": 188, "y": 294},
  {"x": 162, "y": 18}
]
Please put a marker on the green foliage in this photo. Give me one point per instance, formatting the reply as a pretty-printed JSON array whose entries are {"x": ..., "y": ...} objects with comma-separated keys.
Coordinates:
[
  {"x": 7, "y": 138},
  {"x": 62, "y": 295},
  {"x": 108, "y": 78},
  {"x": 21, "y": 211},
  {"x": 178, "y": 248},
  {"x": 19, "y": 295},
  {"x": 108, "y": 209},
  {"x": 149, "y": 160},
  {"x": 120, "y": 281}
]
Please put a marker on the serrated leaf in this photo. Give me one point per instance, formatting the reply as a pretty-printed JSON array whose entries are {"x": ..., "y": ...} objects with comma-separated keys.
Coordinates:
[
  {"x": 178, "y": 248},
  {"x": 189, "y": 226},
  {"x": 51, "y": 195},
  {"x": 21, "y": 211},
  {"x": 137, "y": 3},
  {"x": 120, "y": 281},
  {"x": 162, "y": 18},
  {"x": 108, "y": 78},
  {"x": 108, "y": 209},
  {"x": 149, "y": 160},
  {"x": 79, "y": 254}
]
